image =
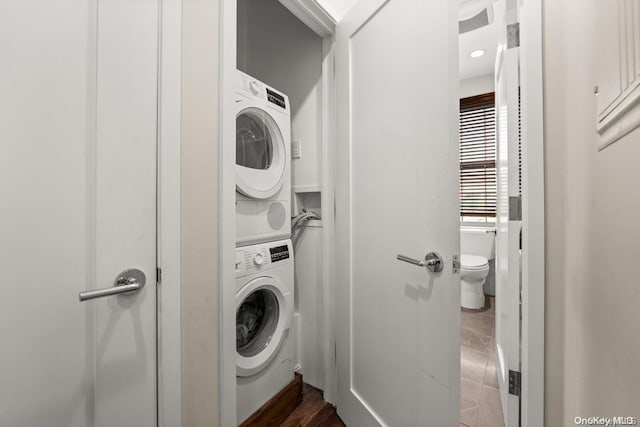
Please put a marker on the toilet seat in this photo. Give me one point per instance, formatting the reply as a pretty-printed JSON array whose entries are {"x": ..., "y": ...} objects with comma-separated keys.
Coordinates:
[{"x": 473, "y": 263}]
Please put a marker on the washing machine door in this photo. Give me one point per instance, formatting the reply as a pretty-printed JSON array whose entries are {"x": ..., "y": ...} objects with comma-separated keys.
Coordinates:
[
  {"x": 260, "y": 154},
  {"x": 263, "y": 316}
]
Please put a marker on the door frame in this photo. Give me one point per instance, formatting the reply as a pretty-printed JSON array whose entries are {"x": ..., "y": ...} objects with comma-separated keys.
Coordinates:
[
  {"x": 508, "y": 299},
  {"x": 226, "y": 208},
  {"x": 169, "y": 305},
  {"x": 533, "y": 225}
]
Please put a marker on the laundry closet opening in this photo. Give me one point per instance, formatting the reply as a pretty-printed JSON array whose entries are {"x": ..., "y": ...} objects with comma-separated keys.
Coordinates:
[{"x": 280, "y": 131}]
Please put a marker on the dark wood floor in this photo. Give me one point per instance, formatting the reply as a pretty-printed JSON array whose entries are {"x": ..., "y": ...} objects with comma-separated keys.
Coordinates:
[{"x": 314, "y": 411}]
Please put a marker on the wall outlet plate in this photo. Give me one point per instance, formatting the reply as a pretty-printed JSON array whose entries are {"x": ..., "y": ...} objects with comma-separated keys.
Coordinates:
[{"x": 296, "y": 149}]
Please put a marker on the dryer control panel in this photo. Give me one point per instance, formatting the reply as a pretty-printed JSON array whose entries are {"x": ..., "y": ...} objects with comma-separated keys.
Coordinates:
[
  {"x": 254, "y": 88},
  {"x": 263, "y": 256}
]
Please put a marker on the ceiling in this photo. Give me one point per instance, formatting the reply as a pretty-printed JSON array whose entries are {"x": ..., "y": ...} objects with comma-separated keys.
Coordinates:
[{"x": 485, "y": 38}]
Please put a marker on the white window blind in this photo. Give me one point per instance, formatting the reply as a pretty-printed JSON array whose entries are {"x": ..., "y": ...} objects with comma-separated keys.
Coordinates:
[{"x": 478, "y": 156}]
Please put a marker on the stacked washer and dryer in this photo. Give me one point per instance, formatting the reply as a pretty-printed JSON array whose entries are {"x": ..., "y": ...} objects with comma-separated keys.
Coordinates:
[{"x": 264, "y": 254}]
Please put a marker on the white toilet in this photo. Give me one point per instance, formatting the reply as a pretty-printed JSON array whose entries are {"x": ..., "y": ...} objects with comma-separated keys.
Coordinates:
[
  {"x": 474, "y": 270},
  {"x": 477, "y": 247}
]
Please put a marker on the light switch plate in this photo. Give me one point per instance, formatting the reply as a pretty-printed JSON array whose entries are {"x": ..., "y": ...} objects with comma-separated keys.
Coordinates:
[{"x": 296, "y": 149}]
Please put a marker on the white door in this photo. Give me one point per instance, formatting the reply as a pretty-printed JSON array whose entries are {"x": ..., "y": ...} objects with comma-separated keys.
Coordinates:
[
  {"x": 77, "y": 207},
  {"x": 398, "y": 348},
  {"x": 508, "y": 276}
]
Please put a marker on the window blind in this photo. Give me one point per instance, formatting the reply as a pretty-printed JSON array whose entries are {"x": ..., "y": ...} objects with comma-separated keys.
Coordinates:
[{"x": 478, "y": 156}]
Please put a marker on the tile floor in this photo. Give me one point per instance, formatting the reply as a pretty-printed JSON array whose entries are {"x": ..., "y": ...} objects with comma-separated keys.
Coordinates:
[{"x": 480, "y": 404}]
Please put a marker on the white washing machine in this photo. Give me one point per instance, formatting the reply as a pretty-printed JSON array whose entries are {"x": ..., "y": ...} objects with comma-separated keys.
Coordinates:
[
  {"x": 265, "y": 351},
  {"x": 263, "y": 162}
]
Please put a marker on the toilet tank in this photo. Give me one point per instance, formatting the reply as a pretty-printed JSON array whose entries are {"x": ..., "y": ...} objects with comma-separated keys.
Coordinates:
[{"x": 478, "y": 241}]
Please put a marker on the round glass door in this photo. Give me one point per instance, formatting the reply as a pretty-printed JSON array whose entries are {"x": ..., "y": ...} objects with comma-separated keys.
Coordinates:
[
  {"x": 256, "y": 321},
  {"x": 254, "y": 146},
  {"x": 263, "y": 316},
  {"x": 260, "y": 154}
]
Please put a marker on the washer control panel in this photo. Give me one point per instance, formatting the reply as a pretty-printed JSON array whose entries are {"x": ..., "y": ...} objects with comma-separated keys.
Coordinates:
[
  {"x": 262, "y": 256},
  {"x": 279, "y": 253}
]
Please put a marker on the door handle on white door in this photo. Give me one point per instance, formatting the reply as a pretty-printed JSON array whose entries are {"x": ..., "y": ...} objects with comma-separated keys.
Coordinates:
[
  {"x": 433, "y": 261},
  {"x": 128, "y": 282}
]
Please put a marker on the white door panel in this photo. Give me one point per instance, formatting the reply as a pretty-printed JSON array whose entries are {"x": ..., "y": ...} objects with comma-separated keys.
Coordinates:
[
  {"x": 78, "y": 191},
  {"x": 396, "y": 188},
  {"x": 508, "y": 229}
]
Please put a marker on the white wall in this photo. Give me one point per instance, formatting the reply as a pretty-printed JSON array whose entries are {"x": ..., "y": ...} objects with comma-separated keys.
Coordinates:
[
  {"x": 199, "y": 212},
  {"x": 477, "y": 85},
  {"x": 592, "y": 208},
  {"x": 309, "y": 295},
  {"x": 278, "y": 49}
]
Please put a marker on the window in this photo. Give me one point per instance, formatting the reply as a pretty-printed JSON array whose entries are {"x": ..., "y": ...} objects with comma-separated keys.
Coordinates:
[{"x": 478, "y": 158}]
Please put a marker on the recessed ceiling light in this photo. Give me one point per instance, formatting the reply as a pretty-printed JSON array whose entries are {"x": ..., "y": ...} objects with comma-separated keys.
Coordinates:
[{"x": 477, "y": 53}]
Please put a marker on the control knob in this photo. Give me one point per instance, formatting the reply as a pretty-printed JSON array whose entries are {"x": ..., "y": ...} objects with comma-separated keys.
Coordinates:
[
  {"x": 254, "y": 88},
  {"x": 258, "y": 259}
]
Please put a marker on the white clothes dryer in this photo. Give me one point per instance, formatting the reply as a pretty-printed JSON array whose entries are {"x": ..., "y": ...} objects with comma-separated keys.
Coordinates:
[
  {"x": 265, "y": 351},
  {"x": 263, "y": 162}
]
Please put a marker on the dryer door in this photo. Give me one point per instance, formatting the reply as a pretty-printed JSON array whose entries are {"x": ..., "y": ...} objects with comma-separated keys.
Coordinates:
[
  {"x": 263, "y": 316},
  {"x": 260, "y": 154}
]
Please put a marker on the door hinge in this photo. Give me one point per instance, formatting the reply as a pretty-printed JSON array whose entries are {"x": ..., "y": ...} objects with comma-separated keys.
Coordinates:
[
  {"x": 515, "y": 208},
  {"x": 513, "y": 35},
  {"x": 456, "y": 263},
  {"x": 158, "y": 275},
  {"x": 514, "y": 382}
]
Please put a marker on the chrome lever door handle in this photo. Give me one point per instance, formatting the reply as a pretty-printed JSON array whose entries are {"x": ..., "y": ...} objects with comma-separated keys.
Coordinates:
[
  {"x": 433, "y": 261},
  {"x": 411, "y": 260},
  {"x": 128, "y": 282}
]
